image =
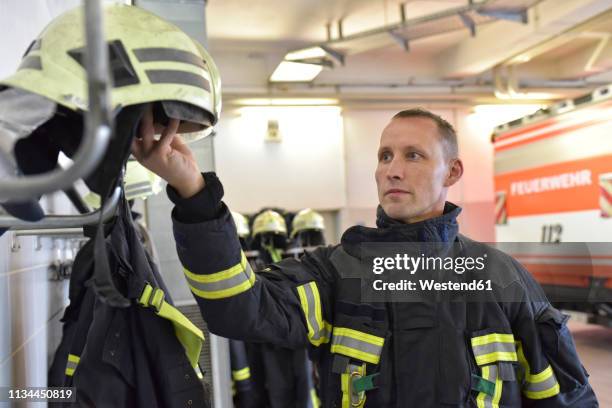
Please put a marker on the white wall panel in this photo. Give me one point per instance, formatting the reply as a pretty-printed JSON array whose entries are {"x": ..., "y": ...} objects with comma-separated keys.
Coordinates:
[{"x": 306, "y": 169}]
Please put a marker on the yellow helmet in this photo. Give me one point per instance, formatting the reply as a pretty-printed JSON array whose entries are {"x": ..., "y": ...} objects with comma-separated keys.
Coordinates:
[
  {"x": 271, "y": 222},
  {"x": 307, "y": 220},
  {"x": 151, "y": 61},
  {"x": 242, "y": 224}
]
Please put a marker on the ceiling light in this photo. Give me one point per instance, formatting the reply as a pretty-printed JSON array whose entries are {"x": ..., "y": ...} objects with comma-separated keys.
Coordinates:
[
  {"x": 306, "y": 53},
  {"x": 288, "y": 71},
  {"x": 529, "y": 96},
  {"x": 285, "y": 101}
]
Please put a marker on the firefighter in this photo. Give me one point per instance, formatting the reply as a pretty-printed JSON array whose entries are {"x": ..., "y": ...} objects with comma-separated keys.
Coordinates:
[
  {"x": 307, "y": 227},
  {"x": 490, "y": 353},
  {"x": 125, "y": 344},
  {"x": 246, "y": 385},
  {"x": 282, "y": 371}
]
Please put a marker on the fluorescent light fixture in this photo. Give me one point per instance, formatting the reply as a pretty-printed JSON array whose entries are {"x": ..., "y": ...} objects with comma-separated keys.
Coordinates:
[
  {"x": 288, "y": 71},
  {"x": 306, "y": 53},
  {"x": 286, "y": 101},
  {"x": 532, "y": 96},
  {"x": 506, "y": 113}
]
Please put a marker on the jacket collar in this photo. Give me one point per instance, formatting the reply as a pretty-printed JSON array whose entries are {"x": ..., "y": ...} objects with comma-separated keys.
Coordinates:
[{"x": 443, "y": 228}]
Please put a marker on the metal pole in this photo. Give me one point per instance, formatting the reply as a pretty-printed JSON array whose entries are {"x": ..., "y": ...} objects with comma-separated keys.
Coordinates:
[{"x": 97, "y": 120}]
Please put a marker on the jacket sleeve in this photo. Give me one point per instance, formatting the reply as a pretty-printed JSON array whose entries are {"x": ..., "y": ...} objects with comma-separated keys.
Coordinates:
[
  {"x": 552, "y": 375},
  {"x": 284, "y": 304}
]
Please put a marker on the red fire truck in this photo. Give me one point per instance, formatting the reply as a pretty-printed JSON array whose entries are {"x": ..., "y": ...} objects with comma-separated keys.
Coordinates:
[{"x": 553, "y": 186}]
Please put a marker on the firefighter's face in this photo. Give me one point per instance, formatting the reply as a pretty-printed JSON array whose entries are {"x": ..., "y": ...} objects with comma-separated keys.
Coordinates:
[{"x": 414, "y": 172}]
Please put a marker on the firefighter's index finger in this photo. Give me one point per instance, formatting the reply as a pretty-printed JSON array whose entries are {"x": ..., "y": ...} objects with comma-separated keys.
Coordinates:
[{"x": 169, "y": 132}]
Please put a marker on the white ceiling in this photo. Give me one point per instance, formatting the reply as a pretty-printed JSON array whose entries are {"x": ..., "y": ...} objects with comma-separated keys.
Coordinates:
[
  {"x": 249, "y": 38},
  {"x": 306, "y": 20}
]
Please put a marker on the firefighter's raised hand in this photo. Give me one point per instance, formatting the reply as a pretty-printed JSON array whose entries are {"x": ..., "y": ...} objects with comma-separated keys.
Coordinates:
[{"x": 169, "y": 157}]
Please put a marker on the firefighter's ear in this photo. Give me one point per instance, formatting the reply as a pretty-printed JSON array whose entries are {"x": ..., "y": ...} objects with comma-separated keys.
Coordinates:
[{"x": 455, "y": 171}]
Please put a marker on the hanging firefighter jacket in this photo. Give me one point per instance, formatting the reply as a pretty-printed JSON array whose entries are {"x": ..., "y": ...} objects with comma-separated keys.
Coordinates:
[
  {"x": 144, "y": 355},
  {"x": 247, "y": 392},
  {"x": 283, "y": 372},
  {"x": 417, "y": 354}
]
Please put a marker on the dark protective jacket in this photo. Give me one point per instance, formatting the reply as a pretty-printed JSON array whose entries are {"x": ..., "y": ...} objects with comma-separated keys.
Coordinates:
[
  {"x": 425, "y": 354},
  {"x": 126, "y": 357}
]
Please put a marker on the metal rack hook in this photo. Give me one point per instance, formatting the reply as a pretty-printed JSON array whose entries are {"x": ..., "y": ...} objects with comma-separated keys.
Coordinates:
[
  {"x": 63, "y": 221},
  {"x": 97, "y": 119}
]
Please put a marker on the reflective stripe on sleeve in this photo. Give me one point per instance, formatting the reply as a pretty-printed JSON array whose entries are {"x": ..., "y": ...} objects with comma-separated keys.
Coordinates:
[
  {"x": 483, "y": 400},
  {"x": 241, "y": 375},
  {"x": 356, "y": 344},
  {"x": 494, "y": 347},
  {"x": 537, "y": 386},
  {"x": 318, "y": 329},
  {"x": 223, "y": 284},
  {"x": 72, "y": 363}
]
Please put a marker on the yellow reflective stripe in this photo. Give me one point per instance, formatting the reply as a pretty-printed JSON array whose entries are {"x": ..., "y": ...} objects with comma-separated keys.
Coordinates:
[
  {"x": 492, "y": 338},
  {"x": 351, "y": 352},
  {"x": 480, "y": 399},
  {"x": 344, "y": 387},
  {"x": 551, "y": 392},
  {"x": 225, "y": 293},
  {"x": 537, "y": 386},
  {"x": 230, "y": 282},
  {"x": 356, "y": 344},
  {"x": 221, "y": 275},
  {"x": 542, "y": 385},
  {"x": 368, "y": 338},
  {"x": 314, "y": 399},
  {"x": 318, "y": 329},
  {"x": 498, "y": 391},
  {"x": 543, "y": 376},
  {"x": 494, "y": 347},
  {"x": 495, "y": 356},
  {"x": 71, "y": 364},
  {"x": 242, "y": 374},
  {"x": 483, "y": 400}
]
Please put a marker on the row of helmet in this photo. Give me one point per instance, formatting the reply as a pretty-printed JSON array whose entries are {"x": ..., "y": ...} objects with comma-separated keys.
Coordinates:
[{"x": 304, "y": 228}]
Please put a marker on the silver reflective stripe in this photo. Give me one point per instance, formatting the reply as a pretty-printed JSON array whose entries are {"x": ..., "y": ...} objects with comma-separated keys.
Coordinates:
[
  {"x": 312, "y": 319},
  {"x": 358, "y": 345},
  {"x": 488, "y": 400},
  {"x": 545, "y": 385},
  {"x": 493, "y": 348},
  {"x": 224, "y": 284},
  {"x": 71, "y": 365}
]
